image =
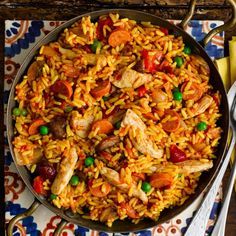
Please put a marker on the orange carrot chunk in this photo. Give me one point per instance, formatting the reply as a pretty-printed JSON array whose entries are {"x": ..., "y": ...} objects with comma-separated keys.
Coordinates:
[
  {"x": 33, "y": 128},
  {"x": 104, "y": 126},
  {"x": 161, "y": 180},
  {"x": 100, "y": 191},
  {"x": 119, "y": 36},
  {"x": 129, "y": 210},
  {"x": 102, "y": 89},
  {"x": 63, "y": 87},
  {"x": 173, "y": 123},
  {"x": 195, "y": 89}
]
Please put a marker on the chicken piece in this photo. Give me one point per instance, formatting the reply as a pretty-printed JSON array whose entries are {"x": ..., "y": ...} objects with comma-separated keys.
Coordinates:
[
  {"x": 113, "y": 178},
  {"x": 29, "y": 159},
  {"x": 58, "y": 127},
  {"x": 108, "y": 142},
  {"x": 81, "y": 125},
  {"x": 131, "y": 79},
  {"x": 192, "y": 166},
  {"x": 141, "y": 142},
  {"x": 202, "y": 105},
  {"x": 65, "y": 172},
  {"x": 93, "y": 59},
  {"x": 184, "y": 167}
]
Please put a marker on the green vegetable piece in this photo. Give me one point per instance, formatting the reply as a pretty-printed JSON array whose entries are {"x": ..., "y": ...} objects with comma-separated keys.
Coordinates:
[
  {"x": 16, "y": 111},
  {"x": 89, "y": 161},
  {"x": 118, "y": 124},
  {"x": 43, "y": 130},
  {"x": 74, "y": 181},
  {"x": 179, "y": 61},
  {"x": 24, "y": 112},
  {"x": 187, "y": 50},
  {"x": 96, "y": 44},
  {"x": 53, "y": 196},
  {"x": 68, "y": 109},
  {"x": 177, "y": 96},
  {"x": 105, "y": 98},
  {"x": 146, "y": 187},
  {"x": 201, "y": 126}
]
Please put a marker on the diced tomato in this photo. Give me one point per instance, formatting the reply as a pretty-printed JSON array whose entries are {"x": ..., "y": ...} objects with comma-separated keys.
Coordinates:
[
  {"x": 129, "y": 210},
  {"x": 101, "y": 23},
  {"x": 151, "y": 58},
  {"x": 176, "y": 155},
  {"x": 38, "y": 185},
  {"x": 141, "y": 91},
  {"x": 164, "y": 30}
]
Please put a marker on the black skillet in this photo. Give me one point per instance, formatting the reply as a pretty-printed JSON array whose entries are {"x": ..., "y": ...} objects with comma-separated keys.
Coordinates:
[{"x": 206, "y": 178}]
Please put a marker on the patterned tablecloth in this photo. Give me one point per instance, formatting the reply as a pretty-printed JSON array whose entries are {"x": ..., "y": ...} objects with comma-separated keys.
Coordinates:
[{"x": 20, "y": 37}]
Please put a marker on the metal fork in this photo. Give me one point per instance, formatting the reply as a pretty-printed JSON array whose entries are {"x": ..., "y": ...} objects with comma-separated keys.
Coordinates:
[
  {"x": 198, "y": 224},
  {"x": 219, "y": 228}
]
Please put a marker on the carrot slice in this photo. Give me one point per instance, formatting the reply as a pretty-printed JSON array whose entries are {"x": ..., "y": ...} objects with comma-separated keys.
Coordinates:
[
  {"x": 173, "y": 123},
  {"x": 160, "y": 180},
  {"x": 196, "y": 92},
  {"x": 33, "y": 128},
  {"x": 63, "y": 87},
  {"x": 100, "y": 191},
  {"x": 119, "y": 36},
  {"x": 104, "y": 126},
  {"x": 102, "y": 89},
  {"x": 129, "y": 210}
]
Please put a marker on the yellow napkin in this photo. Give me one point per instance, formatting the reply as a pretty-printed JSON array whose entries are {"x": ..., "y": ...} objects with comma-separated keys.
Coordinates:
[{"x": 227, "y": 70}]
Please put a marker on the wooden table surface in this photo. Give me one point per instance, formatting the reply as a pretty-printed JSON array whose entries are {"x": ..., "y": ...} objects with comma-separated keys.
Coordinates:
[{"x": 66, "y": 9}]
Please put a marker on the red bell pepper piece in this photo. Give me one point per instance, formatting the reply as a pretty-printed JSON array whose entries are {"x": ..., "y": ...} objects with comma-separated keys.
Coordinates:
[
  {"x": 38, "y": 185},
  {"x": 176, "y": 155},
  {"x": 141, "y": 91}
]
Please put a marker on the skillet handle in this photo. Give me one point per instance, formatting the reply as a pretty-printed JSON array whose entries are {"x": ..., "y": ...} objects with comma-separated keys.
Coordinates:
[
  {"x": 189, "y": 15},
  {"x": 223, "y": 27},
  {"x": 21, "y": 216}
]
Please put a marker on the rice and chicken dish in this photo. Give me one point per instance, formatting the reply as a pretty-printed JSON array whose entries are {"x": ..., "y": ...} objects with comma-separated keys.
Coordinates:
[{"x": 116, "y": 120}]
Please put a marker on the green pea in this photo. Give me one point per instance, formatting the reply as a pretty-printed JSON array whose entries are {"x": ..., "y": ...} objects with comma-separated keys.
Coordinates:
[
  {"x": 53, "y": 196},
  {"x": 105, "y": 98},
  {"x": 74, "y": 181},
  {"x": 96, "y": 44},
  {"x": 177, "y": 96},
  {"x": 43, "y": 130},
  {"x": 118, "y": 124},
  {"x": 68, "y": 109},
  {"x": 201, "y": 126},
  {"x": 24, "y": 112},
  {"x": 16, "y": 111},
  {"x": 146, "y": 187},
  {"x": 187, "y": 50},
  {"x": 89, "y": 161},
  {"x": 179, "y": 61}
]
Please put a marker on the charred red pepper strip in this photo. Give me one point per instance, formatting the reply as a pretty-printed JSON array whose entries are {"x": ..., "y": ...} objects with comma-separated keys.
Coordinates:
[
  {"x": 38, "y": 185},
  {"x": 176, "y": 155},
  {"x": 151, "y": 59},
  {"x": 141, "y": 91}
]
